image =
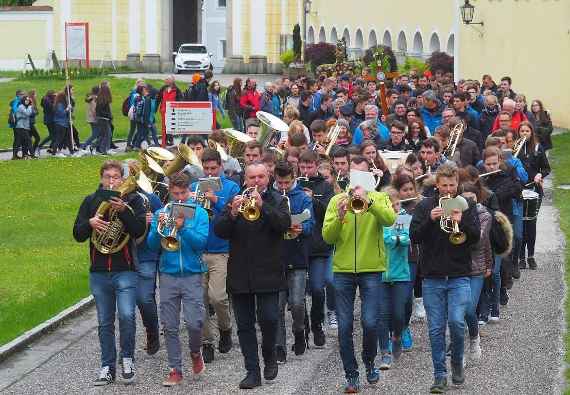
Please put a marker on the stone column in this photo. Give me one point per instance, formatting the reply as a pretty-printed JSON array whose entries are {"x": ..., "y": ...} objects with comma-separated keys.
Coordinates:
[{"x": 166, "y": 60}]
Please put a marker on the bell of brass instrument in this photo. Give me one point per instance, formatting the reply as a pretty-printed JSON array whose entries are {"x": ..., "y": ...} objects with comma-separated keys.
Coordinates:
[
  {"x": 184, "y": 156},
  {"x": 357, "y": 204},
  {"x": 454, "y": 138},
  {"x": 236, "y": 143},
  {"x": 214, "y": 145},
  {"x": 167, "y": 230},
  {"x": 248, "y": 208},
  {"x": 517, "y": 146},
  {"x": 332, "y": 137},
  {"x": 114, "y": 238},
  {"x": 270, "y": 129},
  {"x": 446, "y": 223}
]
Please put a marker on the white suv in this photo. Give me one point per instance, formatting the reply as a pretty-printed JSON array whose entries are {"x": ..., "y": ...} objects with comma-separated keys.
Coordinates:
[{"x": 192, "y": 57}]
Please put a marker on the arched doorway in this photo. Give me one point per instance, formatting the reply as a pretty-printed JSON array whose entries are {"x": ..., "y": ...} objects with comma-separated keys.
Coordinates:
[
  {"x": 387, "y": 39},
  {"x": 334, "y": 36},
  {"x": 434, "y": 45},
  {"x": 451, "y": 45},
  {"x": 418, "y": 46},
  {"x": 322, "y": 35},
  {"x": 311, "y": 36},
  {"x": 402, "y": 42},
  {"x": 372, "y": 40}
]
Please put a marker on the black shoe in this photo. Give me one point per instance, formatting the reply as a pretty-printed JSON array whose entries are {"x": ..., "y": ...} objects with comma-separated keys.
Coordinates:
[
  {"x": 252, "y": 380},
  {"x": 439, "y": 386},
  {"x": 457, "y": 374},
  {"x": 225, "y": 344},
  {"x": 270, "y": 370},
  {"x": 319, "y": 336},
  {"x": 504, "y": 297},
  {"x": 516, "y": 271},
  {"x": 152, "y": 342},
  {"x": 280, "y": 354},
  {"x": 300, "y": 343},
  {"x": 522, "y": 263},
  {"x": 531, "y": 263},
  {"x": 208, "y": 353},
  {"x": 113, "y": 146}
]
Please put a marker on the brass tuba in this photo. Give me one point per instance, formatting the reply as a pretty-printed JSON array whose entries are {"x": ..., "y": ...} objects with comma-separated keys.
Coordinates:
[
  {"x": 248, "y": 208},
  {"x": 114, "y": 238},
  {"x": 446, "y": 223},
  {"x": 271, "y": 128},
  {"x": 454, "y": 137},
  {"x": 183, "y": 156}
]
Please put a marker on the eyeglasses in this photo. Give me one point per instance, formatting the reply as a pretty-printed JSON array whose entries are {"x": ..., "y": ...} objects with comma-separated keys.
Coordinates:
[{"x": 107, "y": 177}]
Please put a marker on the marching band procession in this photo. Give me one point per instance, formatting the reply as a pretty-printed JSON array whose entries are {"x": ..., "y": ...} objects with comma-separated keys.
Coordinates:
[{"x": 419, "y": 195}]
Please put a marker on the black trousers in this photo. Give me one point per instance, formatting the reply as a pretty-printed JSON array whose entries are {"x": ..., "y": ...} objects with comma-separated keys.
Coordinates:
[
  {"x": 62, "y": 139},
  {"x": 51, "y": 133},
  {"x": 22, "y": 141},
  {"x": 36, "y": 137}
]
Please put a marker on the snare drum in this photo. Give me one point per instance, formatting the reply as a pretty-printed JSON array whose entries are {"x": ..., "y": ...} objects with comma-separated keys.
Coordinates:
[{"x": 530, "y": 204}]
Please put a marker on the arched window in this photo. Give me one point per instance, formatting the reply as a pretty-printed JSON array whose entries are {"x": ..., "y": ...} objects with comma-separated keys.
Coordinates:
[
  {"x": 334, "y": 36},
  {"x": 451, "y": 45},
  {"x": 402, "y": 42},
  {"x": 346, "y": 36},
  {"x": 418, "y": 47},
  {"x": 372, "y": 40},
  {"x": 311, "y": 36},
  {"x": 322, "y": 35},
  {"x": 359, "y": 40},
  {"x": 434, "y": 43},
  {"x": 387, "y": 39}
]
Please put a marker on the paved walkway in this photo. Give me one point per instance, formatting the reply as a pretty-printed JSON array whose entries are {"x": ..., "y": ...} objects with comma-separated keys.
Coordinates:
[{"x": 521, "y": 355}]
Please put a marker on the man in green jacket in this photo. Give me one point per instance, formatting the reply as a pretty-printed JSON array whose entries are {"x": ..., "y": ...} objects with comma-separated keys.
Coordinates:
[{"x": 359, "y": 259}]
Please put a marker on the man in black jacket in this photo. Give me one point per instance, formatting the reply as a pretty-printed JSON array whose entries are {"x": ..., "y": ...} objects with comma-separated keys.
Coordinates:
[
  {"x": 320, "y": 262},
  {"x": 445, "y": 268},
  {"x": 255, "y": 271},
  {"x": 113, "y": 277}
]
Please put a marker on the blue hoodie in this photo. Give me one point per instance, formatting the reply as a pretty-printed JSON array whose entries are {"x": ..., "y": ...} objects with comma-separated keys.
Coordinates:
[
  {"x": 215, "y": 245},
  {"x": 397, "y": 241},
  {"x": 61, "y": 115},
  {"x": 432, "y": 119},
  {"x": 296, "y": 251},
  {"x": 144, "y": 253},
  {"x": 381, "y": 129},
  {"x": 192, "y": 237}
]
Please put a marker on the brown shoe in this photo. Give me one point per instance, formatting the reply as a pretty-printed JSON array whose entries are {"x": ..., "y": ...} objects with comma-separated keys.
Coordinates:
[{"x": 173, "y": 378}]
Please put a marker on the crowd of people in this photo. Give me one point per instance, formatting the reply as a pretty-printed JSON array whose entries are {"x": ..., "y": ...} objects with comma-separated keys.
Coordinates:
[{"x": 317, "y": 233}]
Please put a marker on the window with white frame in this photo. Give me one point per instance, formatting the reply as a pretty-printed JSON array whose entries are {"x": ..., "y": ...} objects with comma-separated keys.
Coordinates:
[
  {"x": 222, "y": 3},
  {"x": 223, "y": 48}
]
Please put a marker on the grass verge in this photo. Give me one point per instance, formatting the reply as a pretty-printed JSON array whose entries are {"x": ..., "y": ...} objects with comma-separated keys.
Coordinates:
[
  {"x": 560, "y": 163},
  {"x": 42, "y": 269}
]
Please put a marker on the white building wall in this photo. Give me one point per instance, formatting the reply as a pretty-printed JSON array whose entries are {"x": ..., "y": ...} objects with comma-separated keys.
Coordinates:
[{"x": 214, "y": 31}]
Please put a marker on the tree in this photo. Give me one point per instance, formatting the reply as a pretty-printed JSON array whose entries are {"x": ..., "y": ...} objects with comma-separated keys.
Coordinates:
[
  {"x": 20, "y": 3},
  {"x": 297, "y": 43},
  {"x": 321, "y": 53},
  {"x": 385, "y": 53},
  {"x": 440, "y": 61}
]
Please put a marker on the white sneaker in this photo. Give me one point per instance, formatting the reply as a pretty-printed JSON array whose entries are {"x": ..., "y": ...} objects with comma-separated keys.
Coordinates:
[
  {"x": 420, "y": 312},
  {"x": 60, "y": 155},
  {"x": 475, "y": 348},
  {"x": 128, "y": 370},
  {"x": 493, "y": 320},
  {"x": 333, "y": 323},
  {"x": 111, "y": 152}
]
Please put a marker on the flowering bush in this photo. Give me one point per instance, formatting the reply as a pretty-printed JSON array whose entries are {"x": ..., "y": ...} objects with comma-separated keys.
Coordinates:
[{"x": 440, "y": 61}]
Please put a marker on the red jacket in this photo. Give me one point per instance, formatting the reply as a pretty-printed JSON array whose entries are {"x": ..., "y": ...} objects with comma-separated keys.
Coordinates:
[
  {"x": 249, "y": 103},
  {"x": 518, "y": 117}
]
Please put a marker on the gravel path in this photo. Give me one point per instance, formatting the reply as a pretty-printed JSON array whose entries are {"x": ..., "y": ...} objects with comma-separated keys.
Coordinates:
[{"x": 522, "y": 354}]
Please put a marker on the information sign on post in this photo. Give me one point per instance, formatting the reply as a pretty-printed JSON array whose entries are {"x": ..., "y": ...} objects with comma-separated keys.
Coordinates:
[
  {"x": 77, "y": 41},
  {"x": 189, "y": 117}
]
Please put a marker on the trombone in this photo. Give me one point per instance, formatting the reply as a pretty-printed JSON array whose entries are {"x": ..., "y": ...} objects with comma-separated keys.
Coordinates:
[
  {"x": 454, "y": 137},
  {"x": 248, "y": 207}
]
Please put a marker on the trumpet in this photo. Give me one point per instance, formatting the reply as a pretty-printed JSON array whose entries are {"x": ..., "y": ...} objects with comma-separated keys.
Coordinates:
[
  {"x": 166, "y": 227},
  {"x": 248, "y": 207},
  {"x": 357, "y": 204},
  {"x": 288, "y": 235},
  {"x": 446, "y": 223}
]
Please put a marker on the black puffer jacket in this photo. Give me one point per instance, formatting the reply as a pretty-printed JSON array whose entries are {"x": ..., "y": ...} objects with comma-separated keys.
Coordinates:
[
  {"x": 506, "y": 187},
  {"x": 440, "y": 258},
  {"x": 134, "y": 220},
  {"x": 322, "y": 194},
  {"x": 255, "y": 265}
]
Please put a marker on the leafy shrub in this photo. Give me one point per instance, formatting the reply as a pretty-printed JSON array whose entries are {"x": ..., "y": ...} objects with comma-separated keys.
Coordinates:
[
  {"x": 368, "y": 57},
  {"x": 287, "y": 57},
  {"x": 74, "y": 73},
  {"x": 440, "y": 61},
  {"x": 321, "y": 53},
  {"x": 413, "y": 64}
]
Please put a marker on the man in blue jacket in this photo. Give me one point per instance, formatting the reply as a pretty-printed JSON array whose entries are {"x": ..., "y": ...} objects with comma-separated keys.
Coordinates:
[
  {"x": 216, "y": 259},
  {"x": 181, "y": 273},
  {"x": 295, "y": 257},
  {"x": 431, "y": 111}
]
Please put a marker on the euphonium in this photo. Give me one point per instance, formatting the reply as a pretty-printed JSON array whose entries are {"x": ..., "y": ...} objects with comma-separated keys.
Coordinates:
[
  {"x": 166, "y": 228},
  {"x": 114, "y": 238},
  {"x": 248, "y": 208},
  {"x": 357, "y": 204},
  {"x": 446, "y": 223}
]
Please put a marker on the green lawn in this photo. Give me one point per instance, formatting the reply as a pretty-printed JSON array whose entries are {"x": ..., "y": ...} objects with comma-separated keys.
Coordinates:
[
  {"x": 560, "y": 162},
  {"x": 120, "y": 87},
  {"x": 42, "y": 269}
]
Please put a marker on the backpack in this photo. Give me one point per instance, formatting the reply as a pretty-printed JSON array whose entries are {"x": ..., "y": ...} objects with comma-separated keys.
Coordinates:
[
  {"x": 501, "y": 234},
  {"x": 126, "y": 106},
  {"x": 139, "y": 109},
  {"x": 12, "y": 119}
]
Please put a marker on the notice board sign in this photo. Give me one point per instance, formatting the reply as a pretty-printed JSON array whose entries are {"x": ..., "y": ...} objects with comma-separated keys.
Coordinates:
[
  {"x": 77, "y": 41},
  {"x": 189, "y": 117}
]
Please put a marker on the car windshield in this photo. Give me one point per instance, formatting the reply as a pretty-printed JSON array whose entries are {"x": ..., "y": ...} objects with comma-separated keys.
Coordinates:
[{"x": 192, "y": 49}]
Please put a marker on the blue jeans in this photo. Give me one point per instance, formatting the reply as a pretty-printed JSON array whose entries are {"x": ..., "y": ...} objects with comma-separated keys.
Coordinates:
[
  {"x": 115, "y": 291},
  {"x": 132, "y": 130},
  {"x": 94, "y": 135},
  {"x": 153, "y": 134},
  {"x": 345, "y": 285},
  {"x": 146, "y": 291},
  {"x": 491, "y": 293},
  {"x": 446, "y": 301},
  {"x": 392, "y": 311},
  {"x": 476, "y": 285},
  {"x": 245, "y": 315},
  {"x": 140, "y": 135},
  {"x": 410, "y": 303},
  {"x": 295, "y": 298},
  {"x": 320, "y": 276},
  {"x": 237, "y": 122}
]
